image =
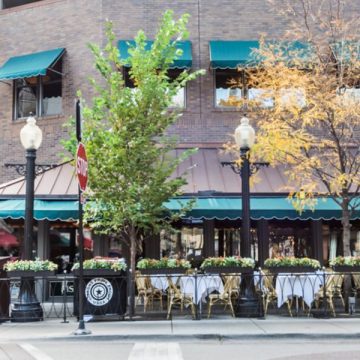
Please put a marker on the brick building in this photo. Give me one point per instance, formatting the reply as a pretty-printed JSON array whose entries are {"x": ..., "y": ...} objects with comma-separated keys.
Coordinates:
[{"x": 35, "y": 27}]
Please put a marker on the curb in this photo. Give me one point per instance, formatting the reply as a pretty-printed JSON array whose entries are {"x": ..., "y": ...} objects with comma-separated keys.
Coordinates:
[{"x": 192, "y": 337}]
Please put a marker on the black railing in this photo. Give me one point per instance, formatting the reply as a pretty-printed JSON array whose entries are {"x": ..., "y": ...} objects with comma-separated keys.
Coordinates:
[{"x": 191, "y": 296}]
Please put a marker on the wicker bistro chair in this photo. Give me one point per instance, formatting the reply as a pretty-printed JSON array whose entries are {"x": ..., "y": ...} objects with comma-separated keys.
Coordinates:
[
  {"x": 224, "y": 298},
  {"x": 356, "y": 279},
  {"x": 333, "y": 285},
  {"x": 146, "y": 291},
  {"x": 269, "y": 293},
  {"x": 176, "y": 297},
  {"x": 234, "y": 286}
]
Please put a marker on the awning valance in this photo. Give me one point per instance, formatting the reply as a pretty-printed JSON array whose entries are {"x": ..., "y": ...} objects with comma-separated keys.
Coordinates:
[
  {"x": 205, "y": 208},
  {"x": 25, "y": 66},
  {"x": 229, "y": 208},
  {"x": 65, "y": 210},
  {"x": 182, "y": 62}
]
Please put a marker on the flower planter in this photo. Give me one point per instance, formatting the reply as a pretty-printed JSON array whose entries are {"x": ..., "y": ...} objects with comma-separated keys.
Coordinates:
[
  {"x": 346, "y": 268},
  {"x": 291, "y": 269},
  {"x": 226, "y": 269},
  {"x": 99, "y": 272},
  {"x": 29, "y": 273},
  {"x": 163, "y": 271}
]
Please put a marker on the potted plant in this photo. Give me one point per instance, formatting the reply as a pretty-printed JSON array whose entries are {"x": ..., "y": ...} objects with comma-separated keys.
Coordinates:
[
  {"x": 290, "y": 264},
  {"x": 230, "y": 264},
  {"x": 346, "y": 263},
  {"x": 101, "y": 266},
  {"x": 163, "y": 266},
  {"x": 30, "y": 268}
]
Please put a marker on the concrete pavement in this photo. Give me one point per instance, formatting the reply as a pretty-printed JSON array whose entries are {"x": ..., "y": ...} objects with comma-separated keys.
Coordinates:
[{"x": 162, "y": 330}]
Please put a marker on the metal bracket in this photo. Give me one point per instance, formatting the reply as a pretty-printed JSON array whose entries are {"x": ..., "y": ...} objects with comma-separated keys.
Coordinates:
[
  {"x": 236, "y": 168},
  {"x": 39, "y": 168}
]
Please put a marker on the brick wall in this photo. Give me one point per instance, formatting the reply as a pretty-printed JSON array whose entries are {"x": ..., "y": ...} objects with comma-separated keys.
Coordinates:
[{"x": 73, "y": 23}]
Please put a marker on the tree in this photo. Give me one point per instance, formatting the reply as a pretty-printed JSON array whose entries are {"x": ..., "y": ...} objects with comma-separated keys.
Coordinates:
[
  {"x": 310, "y": 78},
  {"x": 125, "y": 133}
]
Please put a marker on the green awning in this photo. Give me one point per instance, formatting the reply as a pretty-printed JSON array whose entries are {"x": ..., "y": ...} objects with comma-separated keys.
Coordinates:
[
  {"x": 65, "y": 210},
  {"x": 183, "y": 62},
  {"x": 25, "y": 66},
  {"x": 220, "y": 208},
  {"x": 229, "y": 208},
  {"x": 233, "y": 54}
]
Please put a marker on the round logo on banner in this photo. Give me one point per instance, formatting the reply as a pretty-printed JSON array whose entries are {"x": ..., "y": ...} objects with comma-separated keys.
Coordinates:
[{"x": 99, "y": 291}]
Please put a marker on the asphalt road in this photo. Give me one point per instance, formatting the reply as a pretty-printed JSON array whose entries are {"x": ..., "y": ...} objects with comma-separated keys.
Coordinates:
[{"x": 284, "y": 349}]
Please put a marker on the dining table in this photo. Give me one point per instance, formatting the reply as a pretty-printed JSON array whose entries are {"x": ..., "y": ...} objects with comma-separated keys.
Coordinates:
[{"x": 298, "y": 285}]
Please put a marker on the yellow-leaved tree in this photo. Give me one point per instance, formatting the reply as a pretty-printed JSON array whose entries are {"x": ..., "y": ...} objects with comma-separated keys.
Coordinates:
[{"x": 307, "y": 108}]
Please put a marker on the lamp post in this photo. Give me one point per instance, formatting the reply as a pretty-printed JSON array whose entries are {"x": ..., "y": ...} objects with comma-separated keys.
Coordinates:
[
  {"x": 248, "y": 303},
  {"x": 27, "y": 307},
  {"x": 245, "y": 139}
]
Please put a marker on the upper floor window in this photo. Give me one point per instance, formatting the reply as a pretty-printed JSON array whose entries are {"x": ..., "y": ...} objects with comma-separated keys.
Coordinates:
[
  {"x": 7, "y": 4},
  {"x": 178, "y": 101},
  {"x": 40, "y": 95}
]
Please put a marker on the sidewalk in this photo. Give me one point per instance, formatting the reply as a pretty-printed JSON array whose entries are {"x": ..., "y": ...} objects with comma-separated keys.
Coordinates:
[{"x": 216, "y": 329}]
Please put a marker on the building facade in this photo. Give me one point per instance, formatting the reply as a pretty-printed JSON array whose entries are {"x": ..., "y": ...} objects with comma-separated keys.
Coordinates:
[{"x": 58, "y": 31}]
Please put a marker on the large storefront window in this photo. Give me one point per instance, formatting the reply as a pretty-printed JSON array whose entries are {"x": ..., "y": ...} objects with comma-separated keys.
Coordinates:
[
  {"x": 289, "y": 240},
  {"x": 227, "y": 242},
  {"x": 187, "y": 243}
]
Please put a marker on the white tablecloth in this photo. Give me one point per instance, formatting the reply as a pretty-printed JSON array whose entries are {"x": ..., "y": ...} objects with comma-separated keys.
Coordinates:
[
  {"x": 300, "y": 285},
  {"x": 206, "y": 284},
  {"x": 161, "y": 281}
]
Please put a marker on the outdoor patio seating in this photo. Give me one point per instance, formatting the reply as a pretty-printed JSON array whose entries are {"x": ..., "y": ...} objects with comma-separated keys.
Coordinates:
[
  {"x": 147, "y": 292},
  {"x": 329, "y": 292}
]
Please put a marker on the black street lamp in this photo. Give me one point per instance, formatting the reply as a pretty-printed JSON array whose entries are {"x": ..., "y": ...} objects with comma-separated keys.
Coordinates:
[
  {"x": 248, "y": 303},
  {"x": 27, "y": 307}
]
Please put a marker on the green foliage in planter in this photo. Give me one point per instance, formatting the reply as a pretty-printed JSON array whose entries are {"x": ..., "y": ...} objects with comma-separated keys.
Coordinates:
[
  {"x": 114, "y": 264},
  {"x": 163, "y": 263},
  {"x": 291, "y": 261},
  {"x": 30, "y": 265},
  {"x": 345, "y": 260},
  {"x": 228, "y": 261}
]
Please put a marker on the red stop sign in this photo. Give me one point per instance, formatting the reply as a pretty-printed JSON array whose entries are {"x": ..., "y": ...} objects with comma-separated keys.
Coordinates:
[{"x": 81, "y": 166}]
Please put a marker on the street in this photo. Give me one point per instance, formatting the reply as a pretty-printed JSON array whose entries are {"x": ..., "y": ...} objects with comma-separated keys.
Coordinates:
[{"x": 263, "y": 349}]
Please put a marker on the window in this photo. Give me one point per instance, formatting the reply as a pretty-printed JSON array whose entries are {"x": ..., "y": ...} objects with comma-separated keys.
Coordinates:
[
  {"x": 231, "y": 86},
  {"x": 41, "y": 95},
  {"x": 6, "y": 4},
  {"x": 228, "y": 88},
  {"x": 178, "y": 100},
  {"x": 186, "y": 244}
]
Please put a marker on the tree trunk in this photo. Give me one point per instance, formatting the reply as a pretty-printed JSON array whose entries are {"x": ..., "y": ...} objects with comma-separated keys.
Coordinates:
[
  {"x": 132, "y": 234},
  {"x": 346, "y": 249},
  {"x": 346, "y": 228}
]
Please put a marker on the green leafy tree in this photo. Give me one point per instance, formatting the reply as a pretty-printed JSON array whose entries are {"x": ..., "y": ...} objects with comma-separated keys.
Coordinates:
[{"x": 130, "y": 154}]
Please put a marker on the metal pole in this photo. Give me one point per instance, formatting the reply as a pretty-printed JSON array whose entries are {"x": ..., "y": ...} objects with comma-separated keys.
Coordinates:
[
  {"x": 245, "y": 198},
  {"x": 29, "y": 204}
]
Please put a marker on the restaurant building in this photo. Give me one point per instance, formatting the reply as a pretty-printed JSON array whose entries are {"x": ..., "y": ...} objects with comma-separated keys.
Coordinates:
[{"x": 44, "y": 60}]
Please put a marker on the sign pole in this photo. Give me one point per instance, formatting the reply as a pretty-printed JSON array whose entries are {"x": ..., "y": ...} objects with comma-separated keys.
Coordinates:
[{"x": 81, "y": 170}]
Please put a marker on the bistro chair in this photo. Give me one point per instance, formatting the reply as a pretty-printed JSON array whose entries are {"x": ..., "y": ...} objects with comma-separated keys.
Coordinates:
[
  {"x": 146, "y": 291},
  {"x": 234, "y": 283},
  {"x": 176, "y": 297},
  {"x": 224, "y": 298},
  {"x": 330, "y": 292},
  {"x": 269, "y": 292},
  {"x": 356, "y": 279}
]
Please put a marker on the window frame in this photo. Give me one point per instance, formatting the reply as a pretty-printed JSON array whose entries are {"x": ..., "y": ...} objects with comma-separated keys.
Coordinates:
[{"x": 39, "y": 92}]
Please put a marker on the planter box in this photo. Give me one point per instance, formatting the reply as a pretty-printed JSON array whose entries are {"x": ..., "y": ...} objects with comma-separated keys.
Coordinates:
[
  {"x": 291, "y": 269},
  {"x": 29, "y": 274},
  {"x": 163, "y": 271},
  {"x": 346, "y": 268},
  {"x": 227, "y": 269},
  {"x": 99, "y": 272}
]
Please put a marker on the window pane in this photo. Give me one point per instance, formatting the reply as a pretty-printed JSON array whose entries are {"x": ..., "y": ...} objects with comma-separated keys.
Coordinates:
[
  {"x": 26, "y": 97},
  {"x": 52, "y": 98},
  {"x": 179, "y": 99},
  {"x": 261, "y": 96},
  {"x": 227, "y": 92}
]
